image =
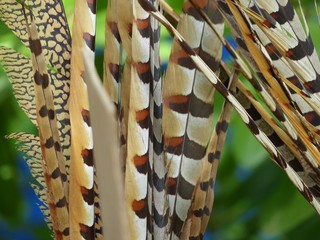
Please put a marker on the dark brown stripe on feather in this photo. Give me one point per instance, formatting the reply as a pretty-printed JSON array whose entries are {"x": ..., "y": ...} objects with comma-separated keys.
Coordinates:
[
  {"x": 182, "y": 59},
  {"x": 35, "y": 46},
  {"x": 178, "y": 103},
  {"x": 56, "y": 173},
  {"x": 90, "y": 41},
  {"x": 49, "y": 142},
  {"x": 86, "y": 231},
  {"x": 62, "y": 203},
  {"x": 114, "y": 70},
  {"x": 86, "y": 117},
  {"x": 88, "y": 195},
  {"x": 43, "y": 112},
  {"x": 87, "y": 155},
  {"x": 193, "y": 149},
  {"x": 185, "y": 188}
]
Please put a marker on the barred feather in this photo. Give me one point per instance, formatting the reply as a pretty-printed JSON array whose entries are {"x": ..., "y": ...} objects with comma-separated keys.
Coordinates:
[
  {"x": 157, "y": 150},
  {"x": 82, "y": 195}
]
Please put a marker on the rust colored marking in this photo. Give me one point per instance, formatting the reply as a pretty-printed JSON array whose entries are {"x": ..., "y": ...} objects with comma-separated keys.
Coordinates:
[
  {"x": 86, "y": 117},
  {"x": 87, "y": 155},
  {"x": 306, "y": 193},
  {"x": 171, "y": 184},
  {"x": 142, "y": 118},
  {"x": 144, "y": 72},
  {"x": 143, "y": 26},
  {"x": 313, "y": 86},
  {"x": 89, "y": 39},
  {"x": 295, "y": 81},
  {"x": 312, "y": 118},
  {"x": 114, "y": 70},
  {"x": 140, "y": 208},
  {"x": 178, "y": 103},
  {"x": 88, "y": 195},
  {"x": 141, "y": 163},
  {"x": 174, "y": 145},
  {"x": 267, "y": 23},
  {"x": 58, "y": 234},
  {"x": 272, "y": 51},
  {"x": 183, "y": 59},
  {"x": 47, "y": 177},
  {"x": 174, "y": 141},
  {"x": 129, "y": 29},
  {"x": 189, "y": 9},
  {"x": 114, "y": 29},
  {"x": 289, "y": 53},
  {"x": 86, "y": 231}
]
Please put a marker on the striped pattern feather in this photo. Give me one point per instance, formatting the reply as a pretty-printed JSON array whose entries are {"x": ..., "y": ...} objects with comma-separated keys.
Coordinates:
[
  {"x": 82, "y": 194},
  {"x": 53, "y": 164},
  {"x": 159, "y": 183}
]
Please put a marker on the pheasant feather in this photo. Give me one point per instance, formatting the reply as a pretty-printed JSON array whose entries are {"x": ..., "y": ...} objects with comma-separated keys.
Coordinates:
[{"x": 137, "y": 156}]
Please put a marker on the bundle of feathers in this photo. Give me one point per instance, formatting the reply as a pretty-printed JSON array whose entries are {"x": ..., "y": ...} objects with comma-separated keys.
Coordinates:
[{"x": 135, "y": 156}]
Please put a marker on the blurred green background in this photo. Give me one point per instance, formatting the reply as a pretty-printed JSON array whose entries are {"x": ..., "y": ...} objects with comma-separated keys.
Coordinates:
[{"x": 254, "y": 199}]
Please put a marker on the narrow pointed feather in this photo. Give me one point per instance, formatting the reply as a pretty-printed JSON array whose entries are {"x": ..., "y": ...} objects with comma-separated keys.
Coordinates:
[
  {"x": 286, "y": 116},
  {"x": 204, "y": 195},
  {"x": 157, "y": 170},
  {"x": 260, "y": 136},
  {"x": 125, "y": 21},
  {"x": 82, "y": 219},
  {"x": 137, "y": 163},
  {"x": 301, "y": 51},
  {"x": 188, "y": 106},
  {"x": 288, "y": 66},
  {"x": 285, "y": 146},
  {"x": 302, "y": 135},
  {"x": 270, "y": 100},
  {"x": 213, "y": 155},
  {"x": 112, "y": 55},
  {"x": 305, "y": 146},
  {"x": 108, "y": 168},
  {"x": 212, "y": 54},
  {"x": 54, "y": 166}
]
